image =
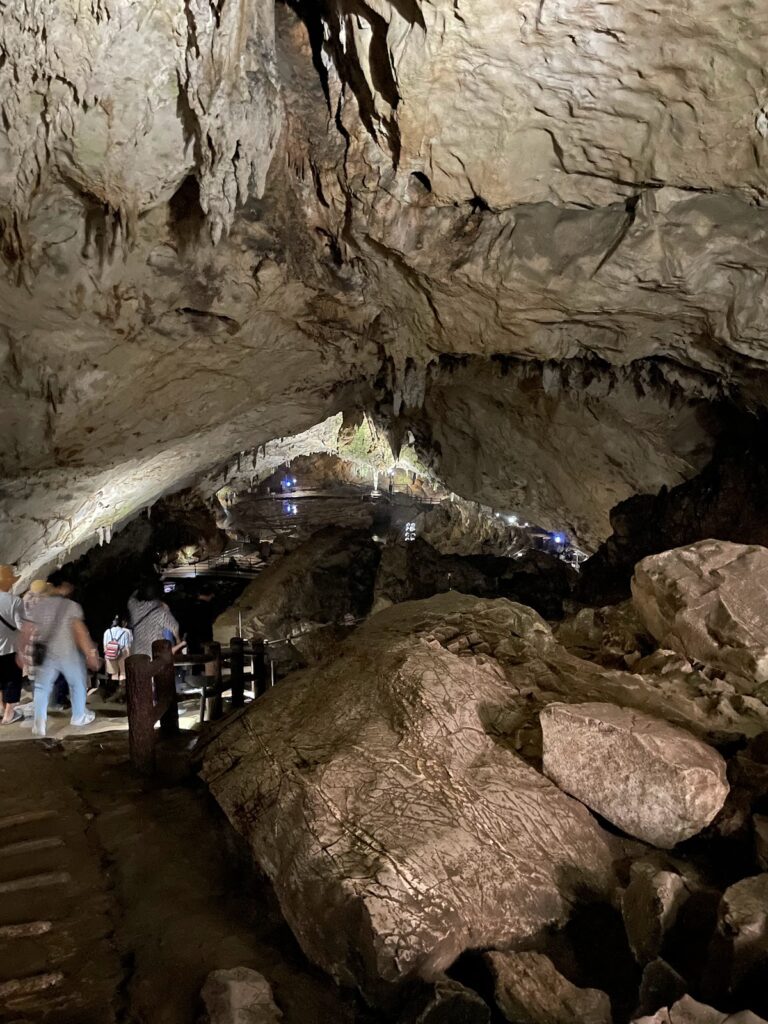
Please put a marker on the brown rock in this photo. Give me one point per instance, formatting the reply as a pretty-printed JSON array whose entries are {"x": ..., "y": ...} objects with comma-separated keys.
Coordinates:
[
  {"x": 760, "y": 827},
  {"x": 530, "y": 990},
  {"x": 707, "y": 602},
  {"x": 660, "y": 986},
  {"x": 650, "y": 905},
  {"x": 239, "y": 996},
  {"x": 688, "y": 1011},
  {"x": 654, "y": 780},
  {"x": 448, "y": 1003},
  {"x": 397, "y": 832},
  {"x": 743, "y": 928}
]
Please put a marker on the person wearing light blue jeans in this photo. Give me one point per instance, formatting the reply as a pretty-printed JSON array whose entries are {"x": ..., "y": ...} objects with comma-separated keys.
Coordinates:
[
  {"x": 58, "y": 623},
  {"x": 75, "y": 673}
]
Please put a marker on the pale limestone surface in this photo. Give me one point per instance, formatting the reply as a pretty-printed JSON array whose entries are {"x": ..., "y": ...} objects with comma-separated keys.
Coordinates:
[
  {"x": 707, "y": 601},
  {"x": 652, "y": 779},
  {"x": 589, "y": 206},
  {"x": 396, "y": 826},
  {"x": 239, "y": 995},
  {"x": 530, "y": 990},
  {"x": 688, "y": 1011}
]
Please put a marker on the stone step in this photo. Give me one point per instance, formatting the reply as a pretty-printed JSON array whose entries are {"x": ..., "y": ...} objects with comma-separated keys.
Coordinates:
[{"x": 26, "y": 846}]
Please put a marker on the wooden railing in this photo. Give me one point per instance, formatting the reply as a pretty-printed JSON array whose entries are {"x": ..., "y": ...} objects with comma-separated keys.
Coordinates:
[{"x": 152, "y": 697}]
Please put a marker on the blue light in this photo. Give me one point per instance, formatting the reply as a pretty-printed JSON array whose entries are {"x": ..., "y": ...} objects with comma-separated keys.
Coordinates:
[{"x": 559, "y": 538}]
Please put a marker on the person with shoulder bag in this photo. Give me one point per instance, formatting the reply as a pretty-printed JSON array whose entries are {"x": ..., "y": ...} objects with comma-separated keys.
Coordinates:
[
  {"x": 60, "y": 645},
  {"x": 11, "y": 623}
]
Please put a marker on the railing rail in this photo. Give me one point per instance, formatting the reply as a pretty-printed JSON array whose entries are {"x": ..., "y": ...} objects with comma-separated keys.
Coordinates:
[{"x": 151, "y": 690}]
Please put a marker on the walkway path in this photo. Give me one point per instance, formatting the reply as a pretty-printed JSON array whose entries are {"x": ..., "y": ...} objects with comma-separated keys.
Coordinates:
[
  {"x": 57, "y": 961},
  {"x": 118, "y": 897}
]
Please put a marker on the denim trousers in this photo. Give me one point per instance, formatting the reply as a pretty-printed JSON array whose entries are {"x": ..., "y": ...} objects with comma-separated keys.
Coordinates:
[{"x": 74, "y": 671}]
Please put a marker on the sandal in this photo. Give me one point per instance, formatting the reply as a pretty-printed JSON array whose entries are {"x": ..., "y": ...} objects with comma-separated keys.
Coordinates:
[{"x": 18, "y": 716}]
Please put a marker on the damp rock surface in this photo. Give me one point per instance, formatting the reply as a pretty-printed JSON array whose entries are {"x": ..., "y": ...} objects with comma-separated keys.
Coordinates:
[
  {"x": 378, "y": 797},
  {"x": 707, "y": 601},
  {"x": 239, "y": 995},
  {"x": 655, "y": 781},
  {"x": 689, "y": 1011},
  {"x": 530, "y": 990}
]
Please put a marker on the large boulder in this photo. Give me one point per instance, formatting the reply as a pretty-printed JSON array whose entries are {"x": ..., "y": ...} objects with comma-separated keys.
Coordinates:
[
  {"x": 650, "y": 905},
  {"x": 326, "y": 578},
  {"x": 382, "y": 797},
  {"x": 655, "y": 781},
  {"x": 688, "y": 1011},
  {"x": 410, "y": 572},
  {"x": 239, "y": 996},
  {"x": 707, "y": 601},
  {"x": 530, "y": 990},
  {"x": 741, "y": 944}
]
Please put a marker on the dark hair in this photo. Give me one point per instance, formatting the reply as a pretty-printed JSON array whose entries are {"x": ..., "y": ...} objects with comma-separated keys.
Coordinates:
[
  {"x": 149, "y": 590},
  {"x": 60, "y": 576}
]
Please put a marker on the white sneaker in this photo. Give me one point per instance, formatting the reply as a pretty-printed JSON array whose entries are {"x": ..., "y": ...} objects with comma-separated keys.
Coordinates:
[
  {"x": 38, "y": 729},
  {"x": 87, "y": 718}
]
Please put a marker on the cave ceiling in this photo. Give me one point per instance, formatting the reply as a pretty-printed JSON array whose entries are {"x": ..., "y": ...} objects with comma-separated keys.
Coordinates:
[{"x": 532, "y": 234}]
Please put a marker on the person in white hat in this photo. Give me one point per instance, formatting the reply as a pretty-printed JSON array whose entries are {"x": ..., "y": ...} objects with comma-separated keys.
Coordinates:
[{"x": 11, "y": 622}]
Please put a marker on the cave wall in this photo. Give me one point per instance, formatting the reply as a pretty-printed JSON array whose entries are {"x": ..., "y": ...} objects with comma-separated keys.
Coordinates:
[{"x": 223, "y": 223}]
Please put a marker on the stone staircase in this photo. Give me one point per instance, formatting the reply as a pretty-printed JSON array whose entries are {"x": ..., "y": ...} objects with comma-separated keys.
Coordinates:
[{"x": 57, "y": 961}]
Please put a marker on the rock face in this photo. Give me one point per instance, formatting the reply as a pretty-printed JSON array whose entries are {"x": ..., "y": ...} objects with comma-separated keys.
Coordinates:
[
  {"x": 688, "y": 1011},
  {"x": 327, "y": 577},
  {"x": 725, "y": 500},
  {"x": 653, "y": 780},
  {"x": 239, "y": 996},
  {"x": 707, "y": 601},
  {"x": 415, "y": 570},
  {"x": 650, "y": 905},
  {"x": 315, "y": 215},
  {"x": 529, "y": 990},
  {"x": 396, "y": 826},
  {"x": 743, "y": 930}
]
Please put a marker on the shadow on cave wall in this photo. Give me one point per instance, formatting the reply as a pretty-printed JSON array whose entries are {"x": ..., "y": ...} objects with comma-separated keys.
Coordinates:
[{"x": 727, "y": 500}]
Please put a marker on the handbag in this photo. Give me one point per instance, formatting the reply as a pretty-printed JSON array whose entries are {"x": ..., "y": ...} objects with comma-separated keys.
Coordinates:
[{"x": 39, "y": 647}]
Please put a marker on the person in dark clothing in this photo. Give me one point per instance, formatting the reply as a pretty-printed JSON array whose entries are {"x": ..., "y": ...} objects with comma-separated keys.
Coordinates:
[{"x": 199, "y": 624}]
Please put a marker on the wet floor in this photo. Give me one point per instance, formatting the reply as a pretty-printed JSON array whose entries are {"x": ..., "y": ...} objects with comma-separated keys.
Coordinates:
[{"x": 140, "y": 892}]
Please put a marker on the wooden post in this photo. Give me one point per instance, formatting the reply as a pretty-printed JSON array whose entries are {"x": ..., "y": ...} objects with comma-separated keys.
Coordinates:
[
  {"x": 165, "y": 687},
  {"x": 213, "y": 679},
  {"x": 259, "y": 668},
  {"x": 237, "y": 670},
  {"x": 141, "y": 712}
]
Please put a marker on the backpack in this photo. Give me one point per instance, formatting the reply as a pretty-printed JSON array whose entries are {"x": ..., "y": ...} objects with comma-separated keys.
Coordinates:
[{"x": 113, "y": 648}]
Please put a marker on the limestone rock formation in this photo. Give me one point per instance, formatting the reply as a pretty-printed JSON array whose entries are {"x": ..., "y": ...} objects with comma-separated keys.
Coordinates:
[
  {"x": 688, "y": 1011},
  {"x": 743, "y": 931},
  {"x": 397, "y": 827},
  {"x": 725, "y": 500},
  {"x": 760, "y": 825},
  {"x": 530, "y": 990},
  {"x": 326, "y": 578},
  {"x": 707, "y": 601},
  {"x": 446, "y": 1002},
  {"x": 564, "y": 258},
  {"x": 239, "y": 996},
  {"x": 613, "y": 636},
  {"x": 650, "y": 905},
  {"x": 416, "y": 570},
  {"x": 660, "y": 986},
  {"x": 653, "y": 780}
]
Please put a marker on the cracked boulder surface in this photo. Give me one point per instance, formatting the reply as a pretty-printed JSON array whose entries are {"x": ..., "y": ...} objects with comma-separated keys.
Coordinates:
[
  {"x": 535, "y": 237},
  {"x": 376, "y": 799},
  {"x": 386, "y": 791}
]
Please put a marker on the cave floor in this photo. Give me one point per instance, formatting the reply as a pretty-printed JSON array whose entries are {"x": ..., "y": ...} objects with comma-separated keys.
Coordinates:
[{"x": 119, "y": 896}]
